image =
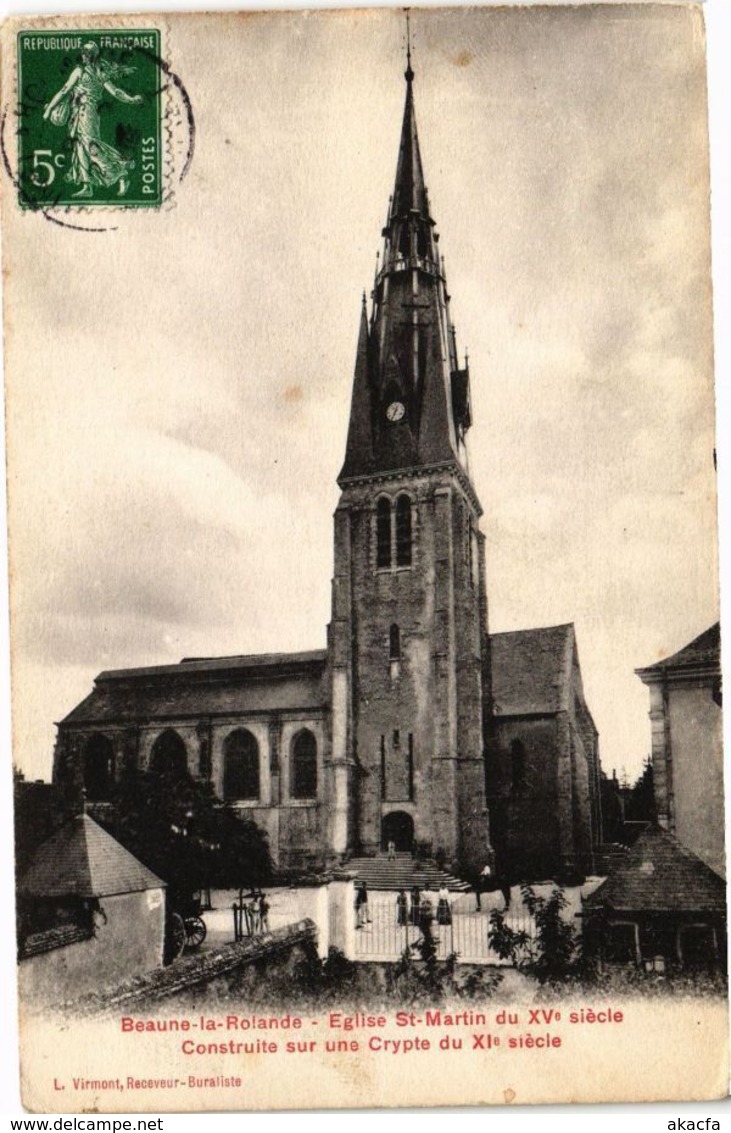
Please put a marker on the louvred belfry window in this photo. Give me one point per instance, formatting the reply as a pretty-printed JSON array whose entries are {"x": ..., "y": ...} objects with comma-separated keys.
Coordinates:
[
  {"x": 383, "y": 533},
  {"x": 403, "y": 531}
]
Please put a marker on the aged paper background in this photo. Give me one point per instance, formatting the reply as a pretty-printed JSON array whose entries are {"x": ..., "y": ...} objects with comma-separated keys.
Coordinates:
[{"x": 176, "y": 459}]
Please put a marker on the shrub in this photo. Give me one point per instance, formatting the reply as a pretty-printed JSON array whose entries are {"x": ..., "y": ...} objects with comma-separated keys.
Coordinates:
[
  {"x": 553, "y": 954},
  {"x": 419, "y": 976}
]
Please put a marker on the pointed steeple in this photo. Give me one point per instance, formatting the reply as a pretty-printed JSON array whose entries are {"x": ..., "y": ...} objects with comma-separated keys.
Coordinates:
[
  {"x": 359, "y": 450},
  {"x": 409, "y": 192},
  {"x": 410, "y": 405}
]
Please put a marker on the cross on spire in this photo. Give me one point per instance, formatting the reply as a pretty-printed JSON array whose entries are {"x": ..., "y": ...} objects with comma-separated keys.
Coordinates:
[{"x": 408, "y": 73}]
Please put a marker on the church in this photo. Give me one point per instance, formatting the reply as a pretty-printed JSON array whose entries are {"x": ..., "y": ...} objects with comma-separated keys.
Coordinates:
[{"x": 415, "y": 726}]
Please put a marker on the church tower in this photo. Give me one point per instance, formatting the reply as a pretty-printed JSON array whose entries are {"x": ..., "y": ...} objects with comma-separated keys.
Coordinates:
[{"x": 408, "y": 641}]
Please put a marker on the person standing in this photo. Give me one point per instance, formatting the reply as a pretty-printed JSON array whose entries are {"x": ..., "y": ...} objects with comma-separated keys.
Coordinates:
[
  {"x": 426, "y": 909},
  {"x": 361, "y": 905},
  {"x": 444, "y": 911},
  {"x": 415, "y": 905},
  {"x": 358, "y": 904},
  {"x": 482, "y": 885},
  {"x": 402, "y": 908}
]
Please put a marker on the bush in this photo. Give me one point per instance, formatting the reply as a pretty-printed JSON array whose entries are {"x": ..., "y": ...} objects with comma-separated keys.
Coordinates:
[
  {"x": 324, "y": 981},
  {"x": 553, "y": 955},
  {"x": 428, "y": 979}
]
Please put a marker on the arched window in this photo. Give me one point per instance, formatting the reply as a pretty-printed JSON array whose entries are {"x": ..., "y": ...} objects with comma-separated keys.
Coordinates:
[
  {"x": 303, "y": 768},
  {"x": 168, "y": 755},
  {"x": 98, "y": 768},
  {"x": 394, "y": 643},
  {"x": 517, "y": 763},
  {"x": 240, "y": 766},
  {"x": 403, "y": 531},
  {"x": 383, "y": 533}
]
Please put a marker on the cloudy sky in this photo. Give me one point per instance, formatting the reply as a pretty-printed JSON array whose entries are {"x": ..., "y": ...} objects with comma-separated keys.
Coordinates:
[{"x": 178, "y": 389}]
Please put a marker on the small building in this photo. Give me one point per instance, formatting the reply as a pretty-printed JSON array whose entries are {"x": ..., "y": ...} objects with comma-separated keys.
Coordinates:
[
  {"x": 90, "y": 915},
  {"x": 687, "y": 745},
  {"x": 661, "y": 907}
]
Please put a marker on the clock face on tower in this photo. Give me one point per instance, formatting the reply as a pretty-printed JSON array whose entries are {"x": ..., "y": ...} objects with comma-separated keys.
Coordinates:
[{"x": 395, "y": 411}]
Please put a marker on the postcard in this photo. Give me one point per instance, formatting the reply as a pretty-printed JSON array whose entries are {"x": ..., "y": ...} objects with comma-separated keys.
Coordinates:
[{"x": 365, "y": 632}]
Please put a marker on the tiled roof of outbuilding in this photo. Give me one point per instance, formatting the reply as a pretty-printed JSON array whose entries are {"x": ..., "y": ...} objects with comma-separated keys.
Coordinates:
[
  {"x": 82, "y": 860},
  {"x": 701, "y": 651},
  {"x": 659, "y": 874},
  {"x": 531, "y": 670}
]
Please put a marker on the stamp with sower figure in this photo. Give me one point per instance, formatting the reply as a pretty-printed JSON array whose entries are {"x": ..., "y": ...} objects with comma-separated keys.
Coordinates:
[{"x": 89, "y": 118}]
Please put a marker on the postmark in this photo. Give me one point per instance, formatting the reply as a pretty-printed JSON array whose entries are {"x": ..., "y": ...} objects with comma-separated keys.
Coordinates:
[{"x": 90, "y": 118}]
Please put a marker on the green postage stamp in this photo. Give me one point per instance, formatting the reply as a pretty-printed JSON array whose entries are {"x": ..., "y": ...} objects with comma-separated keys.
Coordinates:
[{"x": 89, "y": 118}]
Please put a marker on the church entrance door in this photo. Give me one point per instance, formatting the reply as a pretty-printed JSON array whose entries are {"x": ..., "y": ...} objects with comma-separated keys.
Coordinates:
[{"x": 398, "y": 827}]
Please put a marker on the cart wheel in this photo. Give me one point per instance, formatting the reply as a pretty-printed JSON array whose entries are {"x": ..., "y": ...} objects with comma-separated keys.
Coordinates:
[
  {"x": 195, "y": 931},
  {"x": 177, "y": 935}
]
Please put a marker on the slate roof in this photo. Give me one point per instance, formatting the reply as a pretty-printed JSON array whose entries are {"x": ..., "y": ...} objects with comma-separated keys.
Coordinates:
[
  {"x": 208, "y": 687},
  {"x": 409, "y": 191},
  {"x": 702, "y": 651},
  {"x": 531, "y": 670},
  {"x": 82, "y": 860},
  {"x": 660, "y": 875},
  {"x": 244, "y": 662}
]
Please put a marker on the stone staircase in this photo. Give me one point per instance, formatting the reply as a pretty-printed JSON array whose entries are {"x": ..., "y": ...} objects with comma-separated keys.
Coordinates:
[{"x": 402, "y": 872}]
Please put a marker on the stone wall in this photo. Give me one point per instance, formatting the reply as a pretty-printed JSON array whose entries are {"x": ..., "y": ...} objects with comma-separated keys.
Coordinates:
[
  {"x": 216, "y": 972},
  {"x": 526, "y": 815},
  {"x": 542, "y": 784}
]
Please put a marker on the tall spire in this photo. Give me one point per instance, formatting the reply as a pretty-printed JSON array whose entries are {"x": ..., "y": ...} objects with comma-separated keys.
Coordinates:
[
  {"x": 410, "y": 191},
  {"x": 410, "y": 406}
]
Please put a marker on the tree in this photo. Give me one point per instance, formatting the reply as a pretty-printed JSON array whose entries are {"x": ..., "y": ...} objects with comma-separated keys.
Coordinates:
[
  {"x": 178, "y": 828},
  {"x": 641, "y": 801},
  {"x": 553, "y": 953},
  {"x": 39, "y": 810}
]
